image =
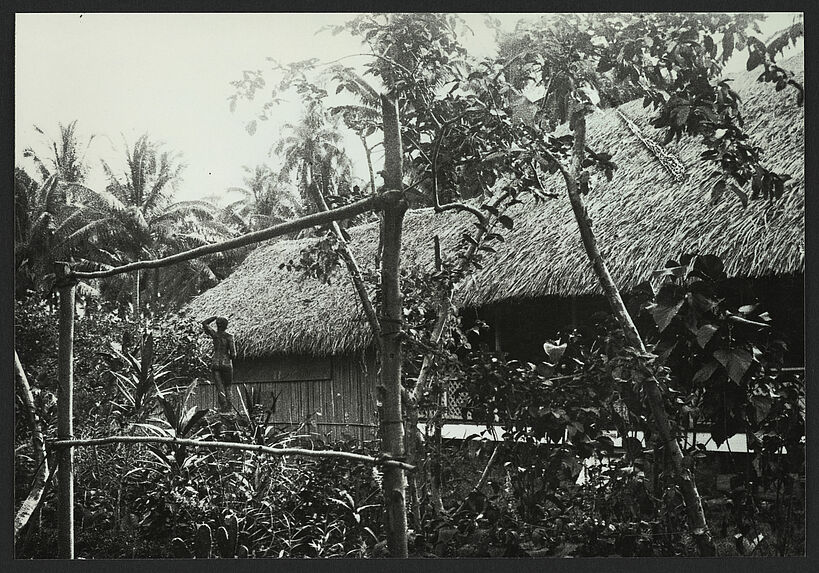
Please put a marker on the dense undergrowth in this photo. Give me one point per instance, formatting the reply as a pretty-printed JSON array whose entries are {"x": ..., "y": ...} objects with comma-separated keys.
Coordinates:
[{"x": 558, "y": 486}]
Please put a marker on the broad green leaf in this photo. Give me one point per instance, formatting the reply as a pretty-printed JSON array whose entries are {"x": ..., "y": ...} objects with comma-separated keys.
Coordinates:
[
  {"x": 554, "y": 351},
  {"x": 506, "y": 221},
  {"x": 743, "y": 197},
  {"x": 705, "y": 373},
  {"x": 736, "y": 362},
  {"x": 663, "y": 315},
  {"x": 705, "y": 333},
  {"x": 717, "y": 190}
]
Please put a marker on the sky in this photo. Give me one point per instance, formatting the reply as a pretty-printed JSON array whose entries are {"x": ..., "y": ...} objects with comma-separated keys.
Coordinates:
[{"x": 168, "y": 75}]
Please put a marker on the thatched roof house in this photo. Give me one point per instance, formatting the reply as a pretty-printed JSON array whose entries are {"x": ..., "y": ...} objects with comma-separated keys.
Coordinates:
[
  {"x": 641, "y": 218},
  {"x": 305, "y": 345}
]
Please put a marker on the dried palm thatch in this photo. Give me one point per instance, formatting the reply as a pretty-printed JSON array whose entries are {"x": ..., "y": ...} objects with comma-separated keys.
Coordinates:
[{"x": 642, "y": 218}]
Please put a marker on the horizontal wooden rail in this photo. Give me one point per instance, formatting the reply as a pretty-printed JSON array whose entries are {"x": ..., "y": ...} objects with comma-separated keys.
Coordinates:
[
  {"x": 232, "y": 446},
  {"x": 371, "y": 203}
]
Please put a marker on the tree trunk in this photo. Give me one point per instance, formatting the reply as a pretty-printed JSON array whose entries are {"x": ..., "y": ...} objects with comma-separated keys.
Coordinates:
[
  {"x": 693, "y": 503},
  {"x": 235, "y": 446},
  {"x": 42, "y": 472},
  {"x": 135, "y": 300},
  {"x": 368, "y": 155},
  {"x": 435, "y": 469},
  {"x": 414, "y": 396},
  {"x": 155, "y": 293},
  {"x": 65, "y": 410},
  {"x": 484, "y": 475},
  {"x": 391, "y": 317},
  {"x": 412, "y": 438}
]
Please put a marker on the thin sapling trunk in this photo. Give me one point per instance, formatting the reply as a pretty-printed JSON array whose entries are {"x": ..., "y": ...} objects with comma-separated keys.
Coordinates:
[
  {"x": 42, "y": 472},
  {"x": 685, "y": 478}
]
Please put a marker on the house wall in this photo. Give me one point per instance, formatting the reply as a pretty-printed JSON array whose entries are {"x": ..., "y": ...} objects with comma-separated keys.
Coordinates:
[{"x": 334, "y": 395}]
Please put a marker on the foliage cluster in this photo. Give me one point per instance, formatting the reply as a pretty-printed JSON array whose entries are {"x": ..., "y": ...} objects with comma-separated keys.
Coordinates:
[
  {"x": 149, "y": 500},
  {"x": 720, "y": 365}
]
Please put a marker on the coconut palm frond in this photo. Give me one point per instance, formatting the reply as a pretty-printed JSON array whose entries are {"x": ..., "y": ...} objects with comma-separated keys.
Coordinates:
[
  {"x": 86, "y": 230},
  {"x": 219, "y": 231},
  {"x": 182, "y": 209},
  {"x": 96, "y": 198},
  {"x": 105, "y": 258},
  {"x": 49, "y": 195},
  {"x": 185, "y": 241}
]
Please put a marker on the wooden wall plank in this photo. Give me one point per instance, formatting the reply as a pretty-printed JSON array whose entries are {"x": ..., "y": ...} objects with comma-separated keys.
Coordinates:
[{"x": 342, "y": 388}]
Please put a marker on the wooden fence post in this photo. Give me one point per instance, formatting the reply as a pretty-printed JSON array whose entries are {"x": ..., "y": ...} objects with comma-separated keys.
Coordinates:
[
  {"x": 65, "y": 410},
  {"x": 391, "y": 317}
]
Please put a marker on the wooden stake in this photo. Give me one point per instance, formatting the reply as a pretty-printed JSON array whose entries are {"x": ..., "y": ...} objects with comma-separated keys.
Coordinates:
[{"x": 65, "y": 411}]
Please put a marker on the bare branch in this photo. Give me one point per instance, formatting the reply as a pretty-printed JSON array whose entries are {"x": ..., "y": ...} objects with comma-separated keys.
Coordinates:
[
  {"x": 436, "y": 200},
  {"x": 567, "y": 177},
  {"x": 484, "y": 476},
  {"x": 463, "y": 207}
]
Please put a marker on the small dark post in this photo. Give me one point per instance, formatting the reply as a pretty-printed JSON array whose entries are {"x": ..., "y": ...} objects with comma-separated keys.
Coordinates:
[{"x": 65, "y": 404}]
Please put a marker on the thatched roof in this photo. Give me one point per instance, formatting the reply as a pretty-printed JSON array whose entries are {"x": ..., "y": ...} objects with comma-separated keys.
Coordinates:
[{"x": 641, "y": 218}]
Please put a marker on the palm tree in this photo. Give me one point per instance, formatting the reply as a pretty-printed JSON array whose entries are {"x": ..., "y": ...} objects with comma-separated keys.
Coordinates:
[
  {"x": 48, "y": 227},
  {"x": 312, "y": 152},
  {"x": 64, "y": 158},
  {"x": 46, "y": 217},
  {"x": 265, "y": 201},
  {"x": 136, "y": 218}
]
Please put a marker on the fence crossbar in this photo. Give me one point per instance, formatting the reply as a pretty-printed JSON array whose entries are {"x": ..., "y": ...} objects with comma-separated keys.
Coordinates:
[
  {"x": 379, "y": 461},
  {"x": 370, "y": 203}
]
